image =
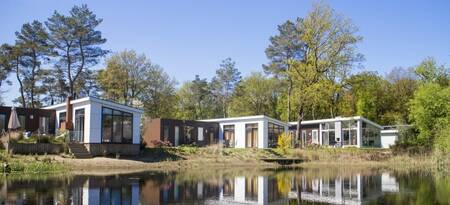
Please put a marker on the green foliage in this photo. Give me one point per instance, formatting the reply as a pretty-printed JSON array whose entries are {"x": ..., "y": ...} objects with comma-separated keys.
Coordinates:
[
  {"x": 284, "y": 142},
  {"x": 133, "y": 79},
  {"x": 195, "y": 100},
  {"x": 430, "y": 72},
  {"x": 223, "y": 84},
  {"x": 333, "y": 37},
  {"x": 430, "y": 111},
  {"x": 35, "y": 167},
  {"x": 76, "y": 42},
  {"x": 255, "y": 95}
]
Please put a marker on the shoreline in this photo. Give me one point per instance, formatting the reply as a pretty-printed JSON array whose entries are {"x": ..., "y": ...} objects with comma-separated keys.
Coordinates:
[{"x": 181, "y": 159}]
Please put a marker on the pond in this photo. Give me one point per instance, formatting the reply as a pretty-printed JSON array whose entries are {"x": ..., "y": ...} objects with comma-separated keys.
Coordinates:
[{"x": 322, "y": 185}]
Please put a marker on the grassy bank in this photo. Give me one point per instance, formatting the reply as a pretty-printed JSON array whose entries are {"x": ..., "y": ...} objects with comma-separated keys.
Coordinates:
[
  {"x": 186, "y": 158},
  {"x": 312, "y": 157},
  {"x": 29, "y": 164}
]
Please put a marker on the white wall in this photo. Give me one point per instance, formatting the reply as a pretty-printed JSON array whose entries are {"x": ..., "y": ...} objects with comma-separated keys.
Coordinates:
[
  {"x": 239, "y": 189},
  {"x": 87, "y": 110},
  {"x": 388, "y": 138},
  {"x": 93, "y": 120},
  {"x": 239, "y": 131}
]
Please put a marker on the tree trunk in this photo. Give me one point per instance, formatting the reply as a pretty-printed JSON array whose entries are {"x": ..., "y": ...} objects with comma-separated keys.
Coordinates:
[
  {"x": 33, "y": 73},
  {"x": 289, "y": 100},
  {"x": 20, "y": 84},
  {"x": 299, "y": 124},
  {"x": 69, "y": 72}
]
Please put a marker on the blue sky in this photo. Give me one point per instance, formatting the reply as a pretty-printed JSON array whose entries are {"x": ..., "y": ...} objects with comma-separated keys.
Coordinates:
[{"x": 192, "y": 37}]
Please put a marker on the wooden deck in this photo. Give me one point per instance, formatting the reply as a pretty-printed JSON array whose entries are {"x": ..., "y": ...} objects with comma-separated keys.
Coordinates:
[{"x": 283, "y": 161}]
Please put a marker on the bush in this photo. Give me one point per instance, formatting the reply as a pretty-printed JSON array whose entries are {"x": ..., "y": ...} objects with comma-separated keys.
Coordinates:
[
  {"x": 159, "y": 143},
  {"x": 284, "y": 142}
]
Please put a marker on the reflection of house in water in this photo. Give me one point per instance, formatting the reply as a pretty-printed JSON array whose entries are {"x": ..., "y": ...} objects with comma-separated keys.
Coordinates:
[
  {"x": 247, "y": 190},
  {"x": 80, "y": 190},
  {"x": 111, "y": 191},
  {"x": 354, "y": 189},
  {"x": 163, "y": 189}
]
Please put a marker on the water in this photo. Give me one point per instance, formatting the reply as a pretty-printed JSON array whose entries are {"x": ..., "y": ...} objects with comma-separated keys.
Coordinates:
[{"x": 231, "y": 186}]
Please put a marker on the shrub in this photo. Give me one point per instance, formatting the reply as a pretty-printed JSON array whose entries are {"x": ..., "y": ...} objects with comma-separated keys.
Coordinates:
[
  {"x": 159, "y": 143},
  {"x": 284, "y": 142}
]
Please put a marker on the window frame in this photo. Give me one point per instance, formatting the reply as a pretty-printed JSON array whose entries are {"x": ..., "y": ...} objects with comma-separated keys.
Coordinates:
[{"x": 122, "y": 116}]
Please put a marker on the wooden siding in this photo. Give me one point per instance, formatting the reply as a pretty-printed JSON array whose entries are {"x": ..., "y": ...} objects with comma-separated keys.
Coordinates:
[
  {"x": 154, "y": 130},
  {"x": 97, "y": 149},
  {"x": 37, "y": 148},
  {"x": 31, "y": 125}
]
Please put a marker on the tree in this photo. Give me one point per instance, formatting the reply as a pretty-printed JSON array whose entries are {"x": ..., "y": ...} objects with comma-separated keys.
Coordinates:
[
  {"x": 32, "y": 41},
  {"x": 284, "y": 142},
  {"x": 5, "y": 66},
  {"x": 159, "y": 98},
  {"x": 430, "y": 72},
  {"x": 223, "y": 84},
  {"x": 195, "y": 99},
  {"x": 255, "y": 95},
  {"x": 330, "y": 47},
  {"x": 76, "y": 42},
  {"x": 402, "y": 85},
  {"x": 12, "y": 58},
  {"x": 430, "y": 112},
  {"x": 87, "y": 85},
  {"x": 283, "y": 47},
  {"x": 113, "y": 82},
  {"x": 369, "y": 96},
  {"x": 125, "y": 77}
]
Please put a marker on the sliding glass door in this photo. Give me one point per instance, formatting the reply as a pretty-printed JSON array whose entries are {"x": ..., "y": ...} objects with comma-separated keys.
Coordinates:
[
  {"x": 251, "y": 133},
  {"x": 79, "y": 126}
]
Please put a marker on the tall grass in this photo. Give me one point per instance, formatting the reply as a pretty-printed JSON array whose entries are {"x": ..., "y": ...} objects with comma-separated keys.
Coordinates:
[{"x": 29, "y": 164}]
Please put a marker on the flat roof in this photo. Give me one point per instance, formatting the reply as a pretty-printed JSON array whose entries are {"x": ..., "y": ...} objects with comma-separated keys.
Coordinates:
[
  {"x": 309, "y": 122},
  {"x": 97, "y": 100},
  {"x": 253, "y": 117}
]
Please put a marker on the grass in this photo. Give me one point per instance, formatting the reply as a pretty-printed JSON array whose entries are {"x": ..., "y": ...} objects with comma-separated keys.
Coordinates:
[
  {"x": 29, "y": 164},
  {"x": 217, "y": 156}
]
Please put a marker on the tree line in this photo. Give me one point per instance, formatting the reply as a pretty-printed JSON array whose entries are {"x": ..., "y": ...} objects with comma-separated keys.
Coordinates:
[{"x": 312, "y": 73}]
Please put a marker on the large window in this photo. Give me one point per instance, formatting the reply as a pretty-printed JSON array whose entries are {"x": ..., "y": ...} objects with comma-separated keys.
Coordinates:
[
  {"x": 228, "y": 135},
  {"x": 22, "y": 120},
  {"x": 79, "y": 126},
  {"x": 165, "y": 133},
  {"x": 211, "y": 132},
  {"x": 44, "y": 125},
  {"x": 189, "y": 134},
  {"x": 251, "y": 188},
  {"x": 349, "y": 130},
  {"x": 2, "y": 122},
  {"x": 251, "y": 133},
  {"x": 328, "y": 136},
  {"x": 200, "y": 134},
  {"x": 274, "y": 131},
  {"x": 62, "y": 118},
  {"x": 370, "y": 135},
  {"x": 117, "y": 126}
]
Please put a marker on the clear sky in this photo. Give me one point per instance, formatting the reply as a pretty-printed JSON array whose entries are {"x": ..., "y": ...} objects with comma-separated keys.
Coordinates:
[{"x": 192, "y": 37}]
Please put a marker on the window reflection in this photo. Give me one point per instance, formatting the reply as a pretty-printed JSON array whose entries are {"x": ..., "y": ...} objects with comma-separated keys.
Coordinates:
[{"x": 117, "y": 126}]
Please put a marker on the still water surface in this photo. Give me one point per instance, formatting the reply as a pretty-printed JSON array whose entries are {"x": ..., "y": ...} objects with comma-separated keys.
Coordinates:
[{"x": 305, "y": 186}]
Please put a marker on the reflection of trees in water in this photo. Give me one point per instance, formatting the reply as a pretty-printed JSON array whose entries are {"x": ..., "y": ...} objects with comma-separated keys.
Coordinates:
[
  {"x": 283, "y": 186},
  {"x": 417, "y": 187}
]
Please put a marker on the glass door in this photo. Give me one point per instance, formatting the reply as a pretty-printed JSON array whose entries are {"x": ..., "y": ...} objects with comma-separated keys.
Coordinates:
[
  {"x": 78, "y": 135},
  {"x": 251, "y": 135}
]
